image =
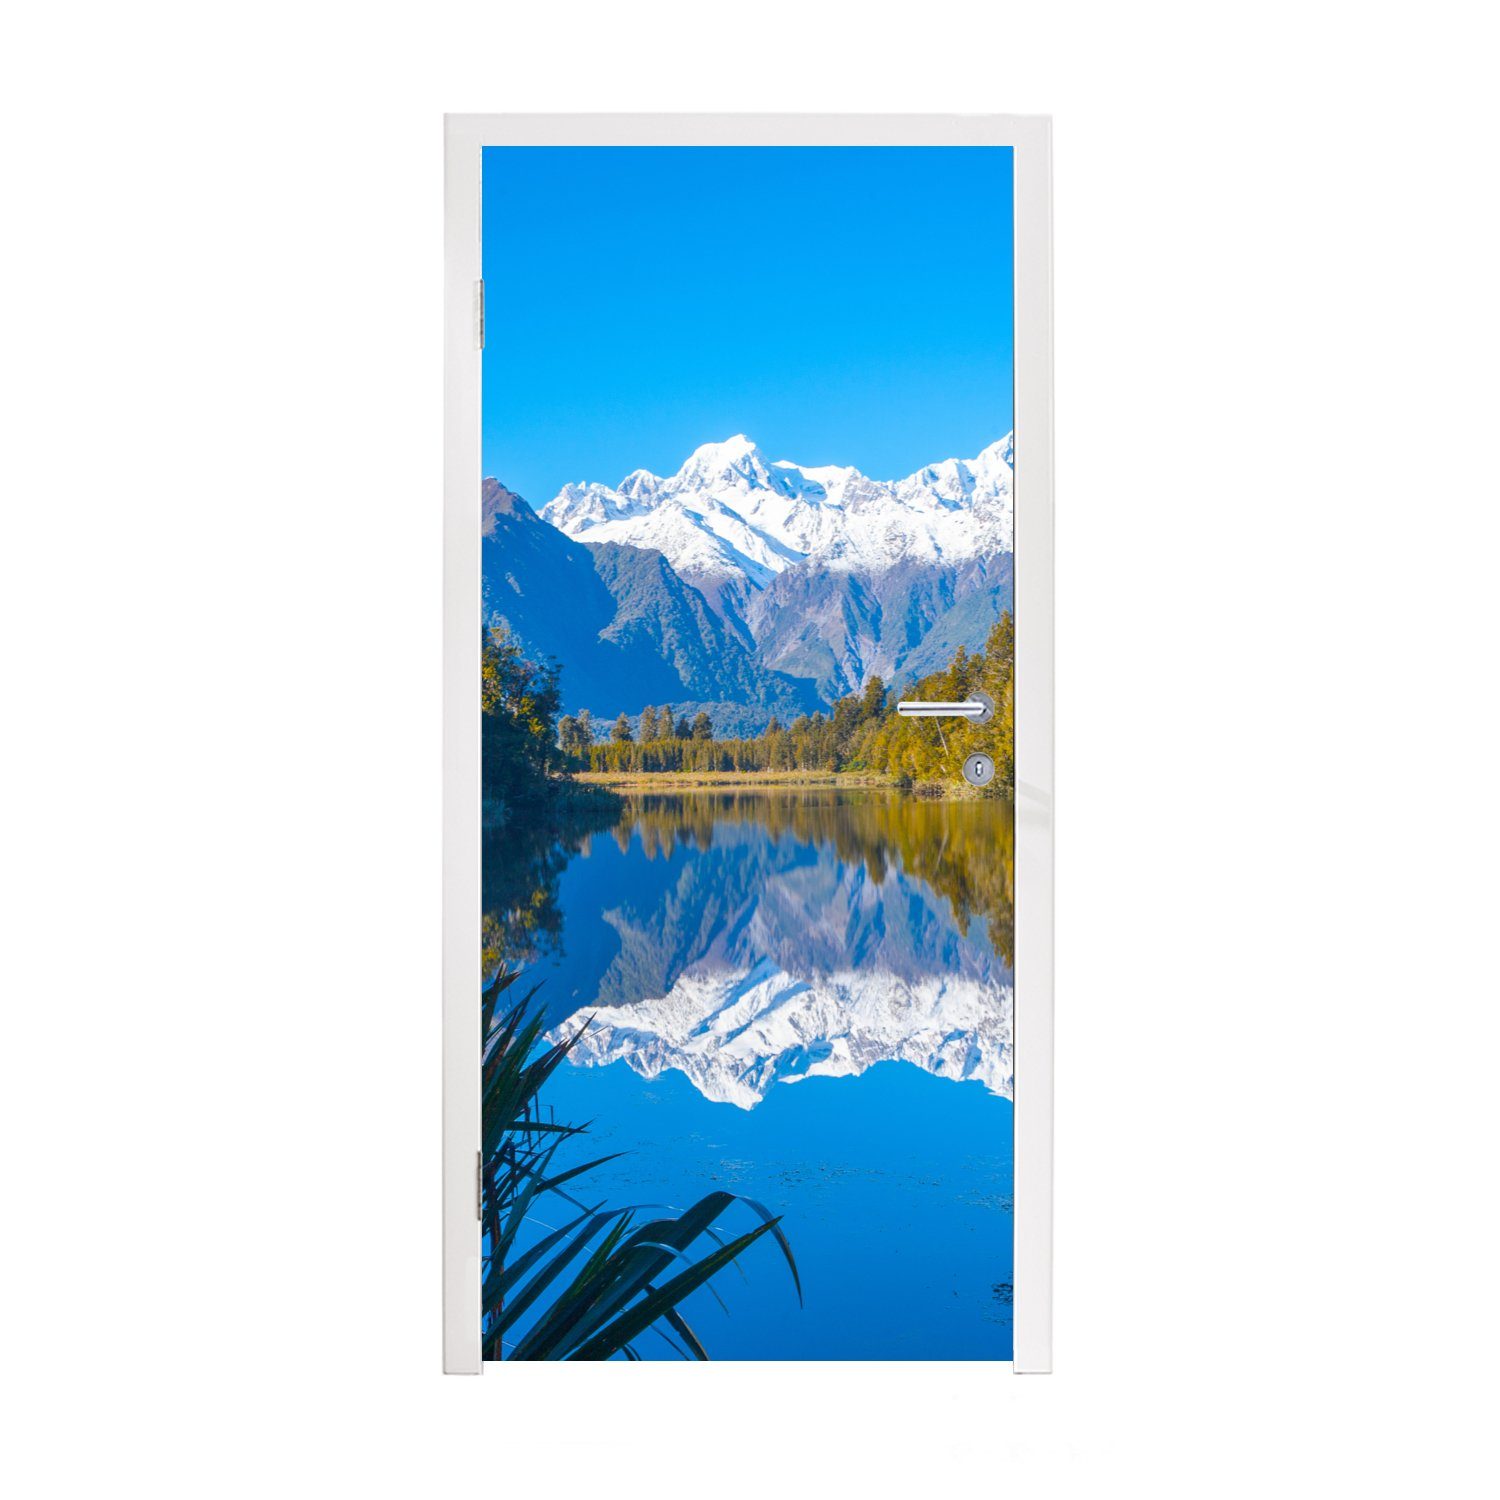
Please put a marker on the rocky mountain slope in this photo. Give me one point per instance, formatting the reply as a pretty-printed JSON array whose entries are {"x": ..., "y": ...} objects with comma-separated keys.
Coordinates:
[{"x": 625, "y": 627}]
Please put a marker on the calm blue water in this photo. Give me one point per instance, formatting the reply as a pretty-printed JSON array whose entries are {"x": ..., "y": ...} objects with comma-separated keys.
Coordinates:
[
  {"x": 895, "y": 1189},
  {"x": 803, "y": 997}
]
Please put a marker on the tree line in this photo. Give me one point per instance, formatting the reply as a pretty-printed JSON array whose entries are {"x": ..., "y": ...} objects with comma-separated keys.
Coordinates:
[
  {"x": 528, "y": 745},
  {"x": 576, "y": 736},
  {"x": 862, "y": 731}
]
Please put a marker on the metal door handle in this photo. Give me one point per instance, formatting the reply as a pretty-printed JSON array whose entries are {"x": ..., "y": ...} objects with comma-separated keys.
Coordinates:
[{"x": 977, "y": 709}]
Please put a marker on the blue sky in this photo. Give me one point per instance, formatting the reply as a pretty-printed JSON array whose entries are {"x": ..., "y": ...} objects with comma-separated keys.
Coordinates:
[{"x": 838, "y": 305}]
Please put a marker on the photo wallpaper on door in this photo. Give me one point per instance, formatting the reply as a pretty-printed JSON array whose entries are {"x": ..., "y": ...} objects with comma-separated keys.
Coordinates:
[{"x": 747, "y": 934}]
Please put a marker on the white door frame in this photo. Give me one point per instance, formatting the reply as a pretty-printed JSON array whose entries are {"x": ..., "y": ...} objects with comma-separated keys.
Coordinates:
[{"x": 1030, "y": 137}]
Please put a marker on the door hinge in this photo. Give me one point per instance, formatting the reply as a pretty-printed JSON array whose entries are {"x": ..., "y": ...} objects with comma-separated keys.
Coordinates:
[
  {"x": 479, "y": 1186},
  {"x": 479, "y": 310}
]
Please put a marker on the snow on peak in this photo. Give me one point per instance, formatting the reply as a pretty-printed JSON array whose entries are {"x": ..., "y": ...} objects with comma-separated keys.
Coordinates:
[
  {"x": 1002, "y": 451},
  {"x": 731, "y": 451},
  {"x": 639, "y": 484},
  {"x": 736, "y": 463},
  {"x": 728, "y": 513}
]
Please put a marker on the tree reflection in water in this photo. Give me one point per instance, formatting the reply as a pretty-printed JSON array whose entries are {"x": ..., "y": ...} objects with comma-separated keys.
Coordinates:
[
  {"x": 963, "y": 850},
  {"x": 520, "y": 864}
]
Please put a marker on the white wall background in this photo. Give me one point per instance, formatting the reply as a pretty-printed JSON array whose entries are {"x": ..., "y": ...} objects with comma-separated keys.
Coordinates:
[{"x": 220, "y": 578}]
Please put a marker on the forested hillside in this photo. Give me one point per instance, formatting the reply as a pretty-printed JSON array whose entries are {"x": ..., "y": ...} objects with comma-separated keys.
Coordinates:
[{"x": 862, "y": 732}]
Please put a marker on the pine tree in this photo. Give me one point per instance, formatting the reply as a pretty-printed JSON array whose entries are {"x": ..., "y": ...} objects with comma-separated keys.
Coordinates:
[
  {"x": 620, "y": 734},
  {"x": 648, "y": 724},
  {"x": 703, "y": 726}
]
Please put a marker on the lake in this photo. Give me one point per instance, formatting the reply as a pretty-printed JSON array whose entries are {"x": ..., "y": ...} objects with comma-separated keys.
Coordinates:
[{"x": 804, "y": 996}]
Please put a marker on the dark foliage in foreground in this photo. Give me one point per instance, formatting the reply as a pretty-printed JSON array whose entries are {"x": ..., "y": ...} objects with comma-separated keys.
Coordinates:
[{"x": 594, "y": 1283}]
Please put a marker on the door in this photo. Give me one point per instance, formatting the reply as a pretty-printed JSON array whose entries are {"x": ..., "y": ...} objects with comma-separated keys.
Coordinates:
[{"x": 747, "y": 699}]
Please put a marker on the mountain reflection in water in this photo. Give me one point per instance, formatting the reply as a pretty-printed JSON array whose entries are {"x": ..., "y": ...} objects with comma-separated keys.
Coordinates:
[
  {"x": 759, "y": 949},
  {"x": 747, "y": 938}
]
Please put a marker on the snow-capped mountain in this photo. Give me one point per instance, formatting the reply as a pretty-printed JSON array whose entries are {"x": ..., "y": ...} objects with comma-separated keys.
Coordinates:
[
  {"x": 764, "y": 587},
  {"x": 736, "y": 1033},
  {"x": 730, "y": 514},
  {"x": 632, "y": 631}
]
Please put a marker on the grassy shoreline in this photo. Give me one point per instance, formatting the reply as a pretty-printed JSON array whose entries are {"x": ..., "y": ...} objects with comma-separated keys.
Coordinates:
[
  {"x": 669, "y": 780},
  {"x": 953, "y": 789}
]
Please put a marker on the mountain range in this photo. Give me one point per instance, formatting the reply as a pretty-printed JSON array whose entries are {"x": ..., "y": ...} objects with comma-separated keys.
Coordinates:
[{"x": 751, "y": 587}]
